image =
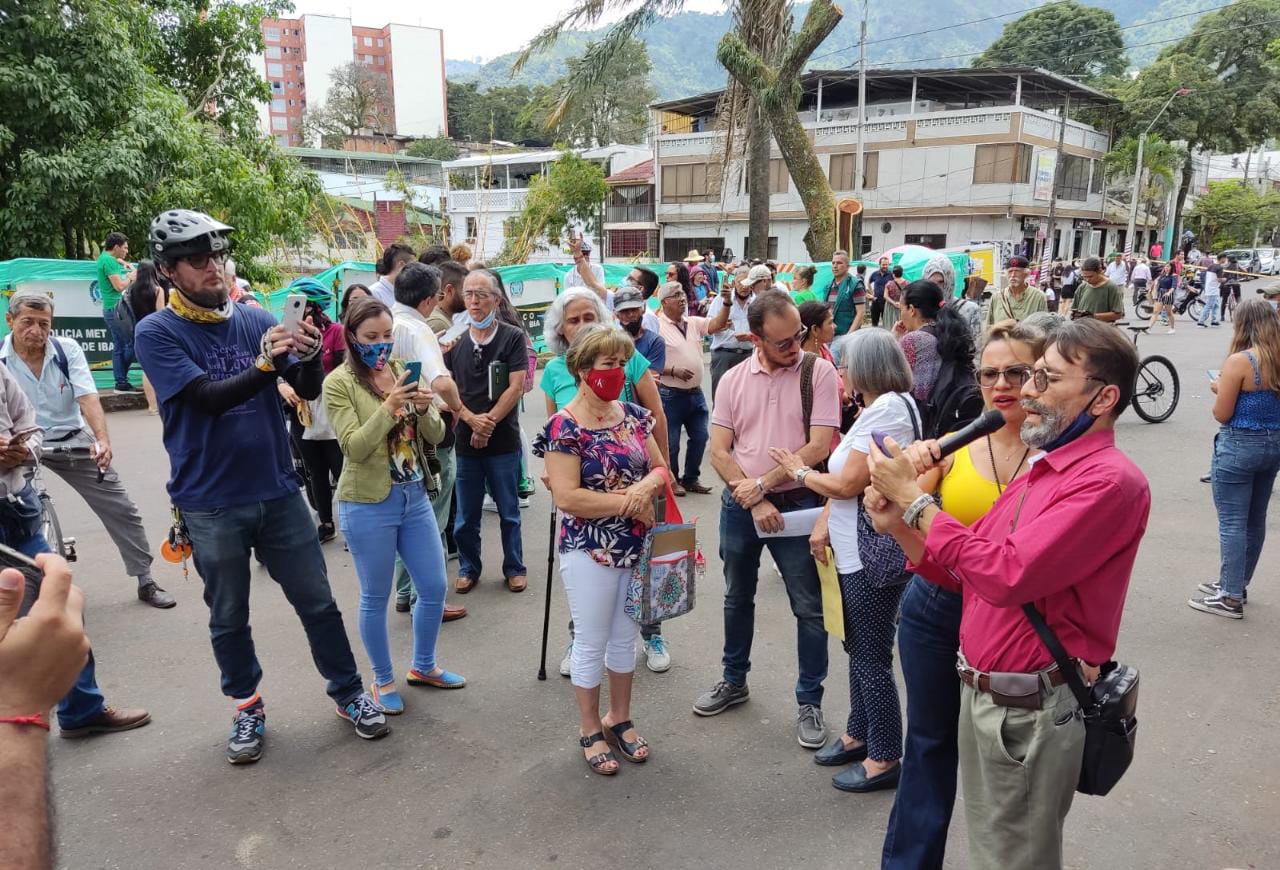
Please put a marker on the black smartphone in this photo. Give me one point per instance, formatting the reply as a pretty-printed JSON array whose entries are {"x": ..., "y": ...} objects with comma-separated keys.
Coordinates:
[{"x": 499, "y": 379}]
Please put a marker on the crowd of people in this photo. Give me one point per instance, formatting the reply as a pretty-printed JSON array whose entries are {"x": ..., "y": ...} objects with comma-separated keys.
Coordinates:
[{"x": 828, "y": 409}]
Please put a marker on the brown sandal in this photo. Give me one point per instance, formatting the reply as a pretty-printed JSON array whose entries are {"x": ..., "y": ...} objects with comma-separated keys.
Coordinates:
[
  {"x": 597, "y": 762},
  {"x": 463, "y": 585}
]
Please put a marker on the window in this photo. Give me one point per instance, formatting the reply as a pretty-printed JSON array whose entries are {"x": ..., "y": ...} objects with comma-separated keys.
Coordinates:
[
  {"x": 293, "y": 102},
  {"x": 368, "y": 40},
  {"x": 631, "y": 243},
  {"x": 929, "y": 240},
  {"x": 366, "y": 59},
  {"x": 291, "y": 85},
  {"x": 841, "y": 170},
  {"x": 381, "y": 42},
  {"x": 779, "y": 179},
  {"x": 678, "y": 249},
  {"x": 382, "y": 61},
  {"x": 1073, "y": 178},
  {"x": 283, "y": 140},
  {"x": 278, "y": 106},
  {"x": 1002, "y": 164},
  {"x": 276, "y": 87},
  {"x": 275, "y": 71},
  {"x": 685, "y": 183},
  {"x": 770, "y": 247},
  {"x": 279, "y": 123},
  {"x": 273, "y": 52},
  {"x": 471, "y": 230},
  {"x": 273, "y": 33},
  {"x": 1096, "y": 183}
]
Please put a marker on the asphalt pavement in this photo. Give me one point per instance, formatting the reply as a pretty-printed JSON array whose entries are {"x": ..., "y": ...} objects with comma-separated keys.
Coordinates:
[{"x": 491, "y": 776}]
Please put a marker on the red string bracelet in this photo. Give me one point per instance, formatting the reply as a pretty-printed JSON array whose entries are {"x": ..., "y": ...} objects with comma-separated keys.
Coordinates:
[{"x": 35, "y": 719}]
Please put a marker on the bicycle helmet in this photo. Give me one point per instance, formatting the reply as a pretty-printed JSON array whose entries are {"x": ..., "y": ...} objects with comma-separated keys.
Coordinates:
[
  {"x": 312, "y": 289},
  {"x": 181, "y": 232}
]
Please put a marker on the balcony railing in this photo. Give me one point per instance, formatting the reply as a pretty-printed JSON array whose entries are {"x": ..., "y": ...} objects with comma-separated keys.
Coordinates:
[
  {"x": 629, "y": 214},
  {"x": 487, "y": 200}
]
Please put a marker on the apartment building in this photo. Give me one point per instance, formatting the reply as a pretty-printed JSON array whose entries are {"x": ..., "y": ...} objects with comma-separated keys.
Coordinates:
[
  {"x": 951, "y": 157},
  {"x": 301, "y": 55}
]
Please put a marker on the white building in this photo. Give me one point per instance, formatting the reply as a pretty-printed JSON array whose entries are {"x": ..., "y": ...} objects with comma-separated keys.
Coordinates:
[
  {"x": 486, "y": 192},
  {"x": 951, "y": 157}
]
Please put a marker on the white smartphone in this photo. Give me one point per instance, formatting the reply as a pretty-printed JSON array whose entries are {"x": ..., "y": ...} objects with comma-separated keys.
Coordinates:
[
  {"x": 453, "y": 333},
  {"x": 294, "y": 305},
  {"x": 1213, "y": 374}
]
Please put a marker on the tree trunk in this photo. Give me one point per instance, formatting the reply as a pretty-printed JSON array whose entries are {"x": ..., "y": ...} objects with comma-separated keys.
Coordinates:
[
  {"x": 811, "y": 181},
  {"x": 1184, "y": 185},
  {"x": 68, "y": 242},
  {"x": 757, "y": 169}
]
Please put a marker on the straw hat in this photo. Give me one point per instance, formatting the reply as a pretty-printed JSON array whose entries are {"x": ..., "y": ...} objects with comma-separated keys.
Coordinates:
[{"x": 693, "y": 256}]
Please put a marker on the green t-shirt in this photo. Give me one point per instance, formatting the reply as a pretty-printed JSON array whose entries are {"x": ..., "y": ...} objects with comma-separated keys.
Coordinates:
[
  {"x": 559, "y": 385},
  {"x": 1003, "y": 305},
  {"x": 108, "y": 266},
  {"x": 800, "y": 297},
  {"x": 1098, "y": 300}
]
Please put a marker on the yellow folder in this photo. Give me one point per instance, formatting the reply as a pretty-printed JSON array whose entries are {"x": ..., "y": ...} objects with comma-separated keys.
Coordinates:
[{"x": 832, "y": 604}]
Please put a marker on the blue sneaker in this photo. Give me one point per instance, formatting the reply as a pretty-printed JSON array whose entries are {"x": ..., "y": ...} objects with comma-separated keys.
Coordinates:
[
  {"x": 370, "y": 721},
  {"x": 387, "y": 698},
  {"x": 248, "y": 732}
]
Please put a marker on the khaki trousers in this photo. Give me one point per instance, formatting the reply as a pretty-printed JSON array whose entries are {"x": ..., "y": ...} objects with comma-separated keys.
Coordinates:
[{"x": 1019, "y": 770}]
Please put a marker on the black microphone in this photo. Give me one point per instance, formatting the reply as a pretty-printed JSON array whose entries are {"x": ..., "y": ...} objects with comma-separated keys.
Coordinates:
[{"x": 989, "y": 422}]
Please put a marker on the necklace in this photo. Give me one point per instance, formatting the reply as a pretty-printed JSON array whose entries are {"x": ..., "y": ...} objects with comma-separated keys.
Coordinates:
[{"x": 995, "y": 472}]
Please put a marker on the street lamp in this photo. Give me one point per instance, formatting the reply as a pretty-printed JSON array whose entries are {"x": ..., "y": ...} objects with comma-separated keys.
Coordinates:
[{"x": 1137, "y": 175}]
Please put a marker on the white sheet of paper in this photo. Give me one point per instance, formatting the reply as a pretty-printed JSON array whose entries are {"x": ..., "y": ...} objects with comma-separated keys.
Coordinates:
[{"x": 795, "y": 524}]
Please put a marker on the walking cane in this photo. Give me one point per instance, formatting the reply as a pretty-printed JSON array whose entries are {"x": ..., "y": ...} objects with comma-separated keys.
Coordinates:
[{"x": 546, "y": 612}]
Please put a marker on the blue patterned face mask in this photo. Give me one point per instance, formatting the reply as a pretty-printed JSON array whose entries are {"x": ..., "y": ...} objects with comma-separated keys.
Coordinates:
[{"x": 374, "y": 355}]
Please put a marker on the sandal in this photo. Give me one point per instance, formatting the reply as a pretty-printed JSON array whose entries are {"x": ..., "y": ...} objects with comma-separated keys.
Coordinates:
[
  {"x": 613, "y": 736},
  {"x": 517, "y": 587},
  {"x": 597, "y": 762},
  {"x": 463, "y": 585}
]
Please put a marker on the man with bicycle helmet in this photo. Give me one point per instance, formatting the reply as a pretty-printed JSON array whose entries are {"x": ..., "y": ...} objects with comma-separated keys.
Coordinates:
[{"x": 214, "y": 366}]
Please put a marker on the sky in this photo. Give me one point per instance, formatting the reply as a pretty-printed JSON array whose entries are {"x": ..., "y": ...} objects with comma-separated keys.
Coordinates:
[{"x": 472, "y": 28}]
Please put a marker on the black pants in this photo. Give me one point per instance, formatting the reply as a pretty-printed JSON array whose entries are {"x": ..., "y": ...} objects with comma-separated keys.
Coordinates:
[
  {"x": 324, "y": 465},
  {"x": 877, "y": 310}
]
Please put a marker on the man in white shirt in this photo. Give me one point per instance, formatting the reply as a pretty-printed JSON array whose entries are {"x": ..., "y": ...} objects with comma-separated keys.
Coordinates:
[
  {"x": 417, "y": 293},
  {"x": 394, "y": 258},
  {"x": 730, "y": 334},
  {"x": 1140, "y": 276},
  {"x": 1117, "y": 271},
  {"x": 586, "y": 273}
]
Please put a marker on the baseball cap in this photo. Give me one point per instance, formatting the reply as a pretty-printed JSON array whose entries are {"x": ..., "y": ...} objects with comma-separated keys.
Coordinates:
[
  {"x": 1271, "y": 292},
  {"x": 584, "y": 246},
  {"x": 628, "y": 298},
  {"x": 671, "y": 288},
  {"x": 758, "y": 273}
]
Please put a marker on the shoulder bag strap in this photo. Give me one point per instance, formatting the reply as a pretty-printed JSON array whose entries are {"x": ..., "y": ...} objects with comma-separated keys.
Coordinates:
[
  {"x": 806, "y": 390},
  {"x": 1068, "y": 668},
  {"x": 64, "y": 366},
  {"x": 911, "y": 412}
]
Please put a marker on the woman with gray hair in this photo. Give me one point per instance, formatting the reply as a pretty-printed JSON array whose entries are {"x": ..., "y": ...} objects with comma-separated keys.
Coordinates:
[
  {"x": 879, "y": 374},
  {"x": 940, "y": 270}
]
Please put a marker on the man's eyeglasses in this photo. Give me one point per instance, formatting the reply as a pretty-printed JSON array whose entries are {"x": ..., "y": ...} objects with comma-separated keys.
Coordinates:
[
  {"x": 1015, "y": 376},
  {"x": 476, "y": 294},
  {"x": 1042, "y": 378},
  {"x": 786, "y": 344},
  {"x": 200, "y": 262}
]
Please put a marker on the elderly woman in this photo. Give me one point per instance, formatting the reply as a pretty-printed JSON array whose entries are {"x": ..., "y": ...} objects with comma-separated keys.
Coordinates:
[
  {"x": 605, "y": 469},
  {"x": 877, "y": 369},
  {"x": 573, "y": 311},
  {"x": 940, "y": 270}
]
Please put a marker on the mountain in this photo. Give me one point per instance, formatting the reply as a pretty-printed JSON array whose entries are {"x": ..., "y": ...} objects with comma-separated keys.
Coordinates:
[{"x": 682, "y": 47}]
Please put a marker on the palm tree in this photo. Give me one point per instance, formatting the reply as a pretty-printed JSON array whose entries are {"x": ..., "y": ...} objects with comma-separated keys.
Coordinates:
[
  {"x": 765, "y": 61},
  {"x": 1160, "y": 160}
]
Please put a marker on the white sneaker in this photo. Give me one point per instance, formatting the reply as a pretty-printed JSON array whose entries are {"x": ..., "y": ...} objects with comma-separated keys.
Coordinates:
[
  {"x": 656, "y": 657},
  {"x": 489, "y": 504},
  {"x": 1170, "y": 332},
  {"x": 566, "y": 662},
  {"x": 523, "y": 502}
]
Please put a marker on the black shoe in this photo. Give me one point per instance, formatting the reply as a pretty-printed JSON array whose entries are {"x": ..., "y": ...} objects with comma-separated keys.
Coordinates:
[
  {"x": 367, "y": 716},
  {"x": 1219, "y": 605},
  {"x": 327, "y": 532},
  {"x": 126, "y": 388},
  {"x": 402, "y": 605},
  {"x": 835, "y": 754},
  {"x": 248, "y": 733},
  {"x": 1206, "y": 478},
  {"x": 1215, "y": 589},
  {"x": 150, "y": 593},
  {"x": 855, "y": 779},
  {"x": 722, "y": 696}
]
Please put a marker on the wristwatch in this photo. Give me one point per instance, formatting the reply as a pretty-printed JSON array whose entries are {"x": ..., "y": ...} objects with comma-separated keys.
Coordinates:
[
  {"x": 911, "y": 516},
  {"x": 801, "y": 473}
]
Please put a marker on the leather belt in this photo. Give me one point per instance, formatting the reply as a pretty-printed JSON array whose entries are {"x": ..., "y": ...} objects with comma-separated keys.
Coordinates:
[
  {"x": 737, "y": 350},
  {"x": 982, "y": 682},
  {"x": 680, "y": 389}
]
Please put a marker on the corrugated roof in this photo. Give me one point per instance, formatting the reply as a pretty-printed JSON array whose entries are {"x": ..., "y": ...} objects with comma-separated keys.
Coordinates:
[{"x": 639, "y": 172}]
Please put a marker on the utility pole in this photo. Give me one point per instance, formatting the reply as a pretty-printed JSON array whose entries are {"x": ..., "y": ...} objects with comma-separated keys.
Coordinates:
[
  {"x": 1138, "y": 173},
  {"x": 859, "y": 169},
  {"x": 1046, "y": 255}
]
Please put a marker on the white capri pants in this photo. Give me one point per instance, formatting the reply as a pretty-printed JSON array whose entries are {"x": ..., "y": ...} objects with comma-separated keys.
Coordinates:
[{"x": 604, "y": 636}]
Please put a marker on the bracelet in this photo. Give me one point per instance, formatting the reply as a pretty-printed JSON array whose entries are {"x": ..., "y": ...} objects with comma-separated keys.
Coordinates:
[
  {"x": 911, "y": 516},
  {"x": 36, "y": 719},
  {"x": 801, "y": 473}
]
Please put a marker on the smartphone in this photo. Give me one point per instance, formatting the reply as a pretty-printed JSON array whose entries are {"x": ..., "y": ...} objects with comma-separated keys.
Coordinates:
[
  {"x": 294, "y": 305},
  {"x": 879, "y": 437},
  {"x": 22, "y": 436},
  {"x": 499, "y": 379},
  {"x": 453, "y": 333},
  {"x": 1213, "y": 374},
  {"x": 415, "y": 372},
  {"x": 31, "y": 575}
]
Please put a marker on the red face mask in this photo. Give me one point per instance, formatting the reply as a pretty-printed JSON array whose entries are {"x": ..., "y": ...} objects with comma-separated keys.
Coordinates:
[{"x": 607, "y": 383}]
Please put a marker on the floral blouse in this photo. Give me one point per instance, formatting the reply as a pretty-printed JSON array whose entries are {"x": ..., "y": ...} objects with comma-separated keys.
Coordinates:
[{"x": 612, "y": 459}]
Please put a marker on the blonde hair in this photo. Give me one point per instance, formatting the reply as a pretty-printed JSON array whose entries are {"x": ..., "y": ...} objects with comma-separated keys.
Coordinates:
[
  {"x": 593, "y": 342},
  {"x": 460, "y": 252},
  {"x": 1011, "y": 331},
  {"x": 1256, "y": 325}
]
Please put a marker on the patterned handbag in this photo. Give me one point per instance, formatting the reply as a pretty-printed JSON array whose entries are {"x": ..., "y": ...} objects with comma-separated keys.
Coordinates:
[
  {"x": 883, "y": 562},
  {"x": 664, "y": 580}
]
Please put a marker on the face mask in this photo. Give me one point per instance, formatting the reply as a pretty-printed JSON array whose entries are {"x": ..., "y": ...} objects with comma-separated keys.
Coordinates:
[
  {"x": 633, "y": 328},
  {"x": 374, "y": 355},
  {"x": 1078, "y": 426},
  {"x": 486, "y": 323},
  {"x": 607, "y": 383}
]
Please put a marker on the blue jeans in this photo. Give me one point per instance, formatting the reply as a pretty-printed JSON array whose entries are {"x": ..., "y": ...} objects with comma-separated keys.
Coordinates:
[
  {"x": 121, "y": 348},
  {"x": 740, "y": 549},
  {"x": 1211, "y": 306},
  {"x": 284, "y": 536},
  {"x": 1243, "y": 474},
  {"x": 440, "y": 503},
  {"x": 687, "y": 411},
  {"x": 928, "y": 640},
  {"x": 403, "y": 524},
  {"x": 501, "y": 473}
]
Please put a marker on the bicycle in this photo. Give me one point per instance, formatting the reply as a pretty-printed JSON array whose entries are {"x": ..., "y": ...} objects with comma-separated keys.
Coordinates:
[
  {"x": 1156, "y": 387},
  {"x": 50, "y": 525}
]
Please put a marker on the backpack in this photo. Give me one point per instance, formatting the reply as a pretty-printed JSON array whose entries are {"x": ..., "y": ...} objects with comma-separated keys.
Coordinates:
[
  {"x": 59, "y": 359},
  {"x": 126, "y": 318},
  {"x": 955, "y": 402}
]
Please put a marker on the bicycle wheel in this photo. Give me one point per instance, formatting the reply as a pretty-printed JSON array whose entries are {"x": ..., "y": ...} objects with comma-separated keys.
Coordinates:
[
  {"x": 1195, "y": 308},
  {"x": 50, "y": 527},
  {"x": 1155, "y": 389},
  {"x": 1144, "y": 308}
]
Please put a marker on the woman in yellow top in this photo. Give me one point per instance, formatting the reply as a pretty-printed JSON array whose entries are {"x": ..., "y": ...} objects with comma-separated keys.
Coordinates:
[
  {"x": 385, "y": 425},
  {"x": 929, "y": 628}
]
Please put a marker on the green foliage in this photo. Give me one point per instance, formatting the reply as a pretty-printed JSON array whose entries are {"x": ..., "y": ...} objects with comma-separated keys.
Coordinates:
[
  {"x": 433, "y": 149},
  {"x": 482, "y": 116},
  {"x": 359, "y": 100},
  {"x": 1231, "y": 213},
  {"x": 1082, "y": 42},
  {"x": 571, "y": 193}
]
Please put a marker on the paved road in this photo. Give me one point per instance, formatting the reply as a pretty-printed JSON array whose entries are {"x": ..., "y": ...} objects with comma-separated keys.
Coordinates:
[{"x": 491, "y": 776}]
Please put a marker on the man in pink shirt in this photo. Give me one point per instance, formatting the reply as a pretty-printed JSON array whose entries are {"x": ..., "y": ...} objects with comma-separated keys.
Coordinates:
[
  {"x": 680, "y": 386},
  {"x": 759, "y": 405},
  {"x": 1063, "y": 538}
]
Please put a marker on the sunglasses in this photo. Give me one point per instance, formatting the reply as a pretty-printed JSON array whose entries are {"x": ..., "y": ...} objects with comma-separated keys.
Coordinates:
[
  {"x": 787, "y": 343},
  {"x": 1015, "y": 376},
  {"x": 1042, "y": 378},
  {"x": 200, "y": 262}
]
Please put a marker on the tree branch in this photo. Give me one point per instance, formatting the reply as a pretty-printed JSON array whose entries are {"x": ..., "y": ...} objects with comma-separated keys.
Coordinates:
[
  {"x": 198, "y": 108},
  {"x": 821, "y": 19},
  {"x": 743, "y": 64}
]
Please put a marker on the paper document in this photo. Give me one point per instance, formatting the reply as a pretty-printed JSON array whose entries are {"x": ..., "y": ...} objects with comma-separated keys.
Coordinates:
[
  {"x": 832, "y": 602},
  {"x": 795, "y": 524}
]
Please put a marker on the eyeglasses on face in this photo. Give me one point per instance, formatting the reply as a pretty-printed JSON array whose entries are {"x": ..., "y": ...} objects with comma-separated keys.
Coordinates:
[
  {"x": 200, "y": 262},
  {"x": 786, "y": 344},
  {"x": 1015, "y": 376},
  {"x": 477, "y": 294},
  {"x": 1042, "y": 378}
]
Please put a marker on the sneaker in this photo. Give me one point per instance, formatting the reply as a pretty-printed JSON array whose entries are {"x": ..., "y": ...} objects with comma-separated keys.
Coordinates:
[
  {"x": 722, "y": 696},
  {"x": 566, "y": 663},
  {"x": 489, "y": 504},
  {"x": 656, "y": 656},
  {"x": 1202, "y": 326},
  {"x": 1170, "y": 332},
  {"x": 327, "y": 532},
  {"x": 1215, "y": 589},
  {"x": 1218, "y": 605},
  {"x": 370, "y": 721},
  {"x": 248, "y": 733},
  {"x": 402, "y": 604},
  {"x": 523, "y": 501},
  {"x": 811, "y": 732}
]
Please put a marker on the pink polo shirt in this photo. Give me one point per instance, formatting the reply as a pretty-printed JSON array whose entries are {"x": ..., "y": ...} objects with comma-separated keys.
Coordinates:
[
  {"x": 763, "y": 410},
  {"x": 684, "y": 349}
]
